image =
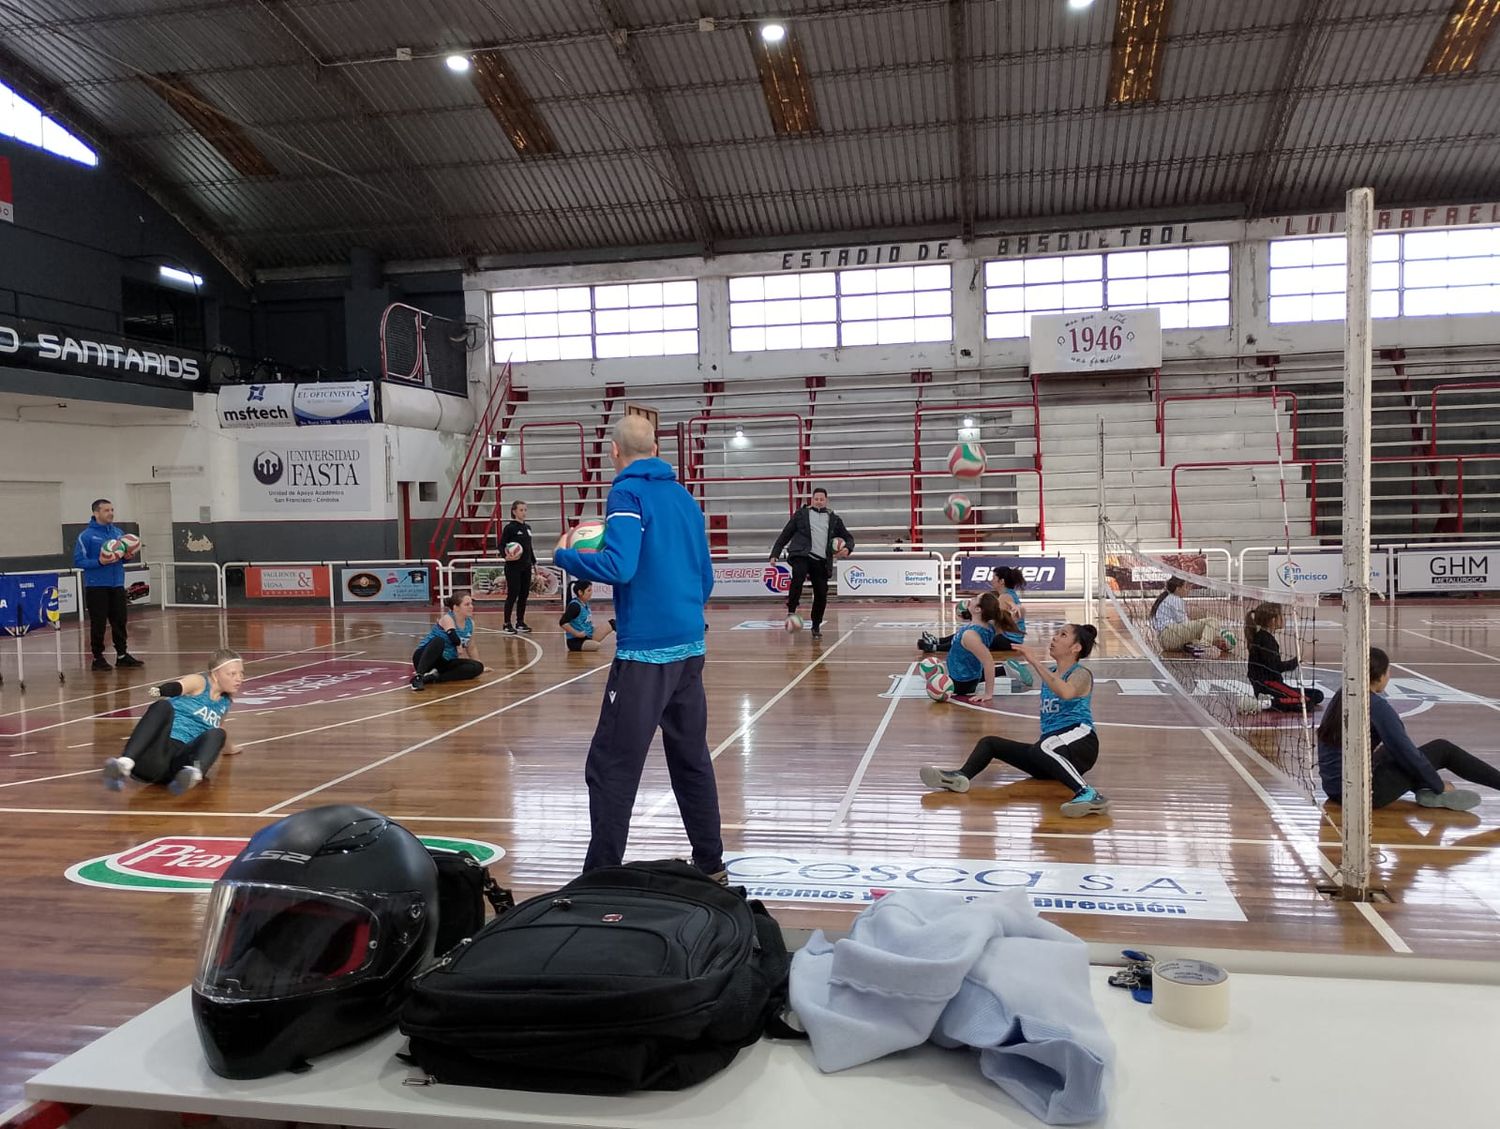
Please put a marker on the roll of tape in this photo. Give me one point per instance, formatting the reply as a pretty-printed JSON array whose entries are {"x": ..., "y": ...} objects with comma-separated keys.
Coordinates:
[{"x": 1190, "y": 993}]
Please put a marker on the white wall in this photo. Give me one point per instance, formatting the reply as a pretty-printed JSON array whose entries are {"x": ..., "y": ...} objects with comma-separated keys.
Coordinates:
[{"x": 1250, "y": 332}]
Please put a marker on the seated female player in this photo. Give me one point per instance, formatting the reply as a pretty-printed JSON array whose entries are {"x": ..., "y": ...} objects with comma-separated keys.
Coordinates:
[
  {"x": 448, "y": 654},
  {"x": 577, "y": 621}
]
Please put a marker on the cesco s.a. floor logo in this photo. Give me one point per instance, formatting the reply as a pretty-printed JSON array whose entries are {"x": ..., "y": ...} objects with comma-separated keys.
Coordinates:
[{"x": 196, "y": 862}]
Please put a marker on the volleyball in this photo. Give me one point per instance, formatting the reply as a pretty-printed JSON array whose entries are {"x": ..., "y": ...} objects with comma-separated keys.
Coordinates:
[
  {"x": 1229, "y": 637},
  {"x": 928, "y": 667},
  {"x": 838, "y": 545},
  {"x": 111, "y": 550},
  {"x": 794, "y": 623},
  {"x": 940, "y": 686},
  {"x": 513, "y": 551},
  {"x": 957, "y": 507},
  {"x": 587, "y": 537},
  {"x": 131, "y": 542},
  {"x": 966, "y": 460}
]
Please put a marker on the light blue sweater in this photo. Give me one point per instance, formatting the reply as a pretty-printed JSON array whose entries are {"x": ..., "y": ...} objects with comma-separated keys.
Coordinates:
[{"x": 988, "y": 974}]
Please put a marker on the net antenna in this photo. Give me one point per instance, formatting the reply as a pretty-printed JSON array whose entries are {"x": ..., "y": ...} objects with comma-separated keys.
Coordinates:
[{"x": 1355, "y": 867}]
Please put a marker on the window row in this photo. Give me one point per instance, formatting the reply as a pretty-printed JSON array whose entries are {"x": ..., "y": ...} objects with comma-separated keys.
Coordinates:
[
  {"x": 27, "y": 124},
  {"x": 582, "y": 323}
]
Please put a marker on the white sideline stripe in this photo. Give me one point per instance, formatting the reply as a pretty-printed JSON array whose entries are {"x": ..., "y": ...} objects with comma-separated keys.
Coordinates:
[
  {"x": 842, "y": 811},
  {"x": 44, "y": 779},
  {"x": 1367, "y": 911},
  {"x": 745, "y": 727},
  {"x": 1449, "y": 643},
  {"x": 536, "y": 658},
  {"x": 429, "y": 741}
]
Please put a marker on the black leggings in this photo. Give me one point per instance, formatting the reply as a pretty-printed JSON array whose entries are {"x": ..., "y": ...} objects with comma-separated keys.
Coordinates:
[
  {"x": 517, "y": 589},
  {"x": 1389, "y": 781},
  {"x": 1287, "y": 699},
  {"x": 157, "y": 757},
  {"x": 1063, "y": 756},
  {"x": 816, "y": 569},
  {"x": 430, "y": 657}
]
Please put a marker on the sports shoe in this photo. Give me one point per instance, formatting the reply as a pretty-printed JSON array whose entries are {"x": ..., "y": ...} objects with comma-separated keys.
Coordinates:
[
  {"x": 612, "y": 626},
  {"x": 817, "y": 631},
  {"x": 935, "y": 777},
  {"x": 1021, "y": 672},
  {"x": 101, "y": 663},
  {"x": 925, "y": 647},
  {"x": 508, "y": 629},
  {"x": 522, "y": 629},
  {"x": 188, "y": 777},
  {"x": 128, "y": 660},
  {"x": 418, "y": 682},
  {"x": 928, "y": 641},
  {"x": 116, "y": 772},
  {"x": 1458, "y": 799},
  {"x": 1087, "y": 802}
]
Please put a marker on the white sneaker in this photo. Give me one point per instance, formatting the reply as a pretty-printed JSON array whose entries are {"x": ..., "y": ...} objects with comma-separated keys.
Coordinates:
[
  {"x": 116, "y": 771},
  {"x": 935, "y": 777},
  {"x": 188, "y": 777}
]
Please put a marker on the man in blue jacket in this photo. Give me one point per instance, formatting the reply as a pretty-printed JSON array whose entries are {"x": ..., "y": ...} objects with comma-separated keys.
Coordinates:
[
  {"x": 655, "y": 556},
  {"x": 104, "y": 584}
]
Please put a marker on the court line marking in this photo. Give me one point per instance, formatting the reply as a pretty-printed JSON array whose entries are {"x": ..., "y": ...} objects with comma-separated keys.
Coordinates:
[
  {"x": 148, "y": 685},
  {"x": 33, "y": 753},
  {"x": 661, "y": 801},
  {"x": 1473, "y": 699},
  {"x": 841, "y": 812},
  {"x": 1449, "y": 643},
  {"x": 104, "y": 714},
  {"x": 536, "y": 658},
  {"x": 1365, "y": 910},
  {"x": 44, "y": 779},
  {"x": 429, "y": 741},
  {"x": 977, "y": 708}
]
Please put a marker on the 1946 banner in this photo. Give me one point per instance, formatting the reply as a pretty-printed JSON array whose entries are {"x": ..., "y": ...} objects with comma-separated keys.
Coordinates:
[{"x": 1096, "y": 341}]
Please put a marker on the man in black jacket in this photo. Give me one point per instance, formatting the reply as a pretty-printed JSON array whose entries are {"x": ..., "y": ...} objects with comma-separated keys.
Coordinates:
[{"x": 813, "y": 537}]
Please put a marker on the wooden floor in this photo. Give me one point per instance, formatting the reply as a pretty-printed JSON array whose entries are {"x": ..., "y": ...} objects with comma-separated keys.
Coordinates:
[{"x": 816, "y": 756}]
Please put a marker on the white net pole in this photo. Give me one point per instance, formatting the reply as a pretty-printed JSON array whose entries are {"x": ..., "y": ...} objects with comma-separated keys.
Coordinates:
[
  {"x": 1356, "y": 530},
  {"x": 1100, "y": 587}
]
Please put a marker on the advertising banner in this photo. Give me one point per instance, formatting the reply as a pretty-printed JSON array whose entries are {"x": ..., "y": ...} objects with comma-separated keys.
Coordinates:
[
  {"x": 1096, "y": 341},
  {"x": 488, "y": 583},
  {"x": 349, "y": 401},
  {"x": 255, "y": 405},
  {"x": 888, "y": 578},
  {"x": 138, "y": 590},
  {"x": 752, "y": 579},
  {"x": 1043, "y": 574},
  {"x": 305, "y": 479},
  {"x": 1456, "y": 570},
  {"x": 287, "y": 582},
  {"x": 7, "y": 200},
  {"x": 1134, "y": 575},
  {"x": 1321, "y": 572},
  {"x": 27, "y": 343},
  {"x": 398, "y": 584}
]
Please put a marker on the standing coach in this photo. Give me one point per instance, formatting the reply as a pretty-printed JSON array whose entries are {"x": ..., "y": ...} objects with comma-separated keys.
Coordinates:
[{"x": 104, "y": 584}]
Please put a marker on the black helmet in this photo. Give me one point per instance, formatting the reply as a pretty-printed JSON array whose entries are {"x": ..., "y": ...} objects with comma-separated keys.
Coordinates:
[{"x": 311, "y": 939}]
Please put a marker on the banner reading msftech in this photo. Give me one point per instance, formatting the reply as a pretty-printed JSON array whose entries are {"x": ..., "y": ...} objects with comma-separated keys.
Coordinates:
[{"x": 305, "y": 480}]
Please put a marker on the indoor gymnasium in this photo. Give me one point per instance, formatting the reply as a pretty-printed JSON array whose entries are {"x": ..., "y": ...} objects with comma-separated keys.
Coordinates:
[{"x": 861, "y": 515}]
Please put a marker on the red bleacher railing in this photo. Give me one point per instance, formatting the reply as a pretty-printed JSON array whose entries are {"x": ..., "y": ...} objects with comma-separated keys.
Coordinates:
[
  {"x": 1176, "y": 527},
  {"x": 1274, "y": 394},
  {"x": 460, "y": 497},
  {"x": 1432, "y": 432}
]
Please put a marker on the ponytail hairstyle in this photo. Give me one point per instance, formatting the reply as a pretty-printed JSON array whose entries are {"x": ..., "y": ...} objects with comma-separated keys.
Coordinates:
[
  {"x": 455, "y": 598},
  {"x": 1085, "y": 635},
  {"x": 1174, "y": 585},
  {"x": 987, "y": 609},
  {"x": 1013, "y": 578},
  {"x": 1331, "y": 727},
  {"x": 1260, "y": 617}
]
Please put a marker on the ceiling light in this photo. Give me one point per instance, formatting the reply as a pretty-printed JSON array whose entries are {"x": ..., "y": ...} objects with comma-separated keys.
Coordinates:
[
  {"x": 968, "y": 421},
  {"x": 458, "y": 64},
  {"x": 773, "y": 33},
  {"x": 181, "y": 277},
  {"x": 1080, "y": 5}
]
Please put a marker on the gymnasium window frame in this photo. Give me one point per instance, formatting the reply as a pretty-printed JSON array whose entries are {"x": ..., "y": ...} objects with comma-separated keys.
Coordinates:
[
  {"x": 24, "y": 122},
  {"x": 838, "y": 309},
  {"x": 598, "y": 321},
  {"x": 1412, "y": 274},
  {"x": 1190, "y": 284}
]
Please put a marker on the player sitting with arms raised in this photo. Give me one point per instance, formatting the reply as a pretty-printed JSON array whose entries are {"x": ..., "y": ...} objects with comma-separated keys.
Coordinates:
[{"x": 181, "y": 735}]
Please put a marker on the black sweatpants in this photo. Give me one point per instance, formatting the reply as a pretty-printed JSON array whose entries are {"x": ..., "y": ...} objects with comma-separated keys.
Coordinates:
[
  {"x": 1389, "y": 781},
  {"x": 1064, "y": 756},
  {"x": 106, "y": 605},
  {"x": 1285, "y": 698},
  {"x": 430, "y": 657},
  {"x": 157, "y": 757},
  {"x": 517, "y": 589},
  {"x": 638, "y": 698},
  {"x": 816, "y": 569}
]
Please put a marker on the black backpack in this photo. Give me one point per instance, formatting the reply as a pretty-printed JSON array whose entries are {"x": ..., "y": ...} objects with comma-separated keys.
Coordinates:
[{"x": 649, "y": 976}]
